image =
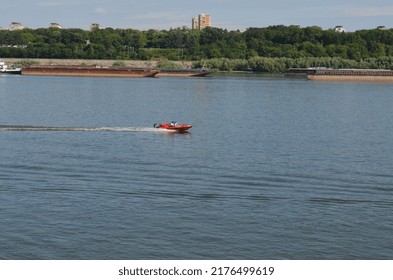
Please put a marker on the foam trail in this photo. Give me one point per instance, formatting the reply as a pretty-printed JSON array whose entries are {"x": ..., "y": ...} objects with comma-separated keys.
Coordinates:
[{"x": 87, "y": 129}]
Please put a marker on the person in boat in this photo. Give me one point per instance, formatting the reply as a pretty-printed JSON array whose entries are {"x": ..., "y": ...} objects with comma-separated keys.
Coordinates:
[{"x": 173, "y": 123}]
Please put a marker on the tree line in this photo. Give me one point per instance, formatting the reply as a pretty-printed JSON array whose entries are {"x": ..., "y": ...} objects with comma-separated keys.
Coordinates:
[{"x": 269, "y": 49}]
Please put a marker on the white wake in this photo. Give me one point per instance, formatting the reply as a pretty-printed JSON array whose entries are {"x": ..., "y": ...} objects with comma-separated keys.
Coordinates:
[{"x": 87, "y": 129}]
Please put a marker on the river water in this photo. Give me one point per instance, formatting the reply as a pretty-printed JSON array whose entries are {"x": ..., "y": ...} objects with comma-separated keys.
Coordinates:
[{"x": 273, "y": 168}]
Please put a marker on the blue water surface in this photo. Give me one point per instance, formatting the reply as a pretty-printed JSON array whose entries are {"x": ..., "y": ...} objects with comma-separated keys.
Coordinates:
[{"x": 273, "y": 168}]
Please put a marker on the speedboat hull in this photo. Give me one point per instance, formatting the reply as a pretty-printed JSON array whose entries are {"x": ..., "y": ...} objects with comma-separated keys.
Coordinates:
[{"x": 173, "y": 126}]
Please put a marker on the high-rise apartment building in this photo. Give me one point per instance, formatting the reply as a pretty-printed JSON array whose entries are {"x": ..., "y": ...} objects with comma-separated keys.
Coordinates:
[
  {"x": 201, "y": 21},
  {"x": 195, "y": 23}
]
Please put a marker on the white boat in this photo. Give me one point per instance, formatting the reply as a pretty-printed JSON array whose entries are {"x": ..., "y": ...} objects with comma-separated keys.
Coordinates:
[{"x": 5, "y": 69}]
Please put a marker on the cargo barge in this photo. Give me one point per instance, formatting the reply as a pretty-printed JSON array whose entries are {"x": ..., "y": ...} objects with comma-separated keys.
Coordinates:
[
  {"x": 88, "y": 71},
  {"x": 341, "y": 75},
  {"x": 183, "y": 73}
]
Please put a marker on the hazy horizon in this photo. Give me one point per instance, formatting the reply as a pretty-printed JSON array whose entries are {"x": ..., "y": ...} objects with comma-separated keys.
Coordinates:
[{"x": 226, "y": 14}]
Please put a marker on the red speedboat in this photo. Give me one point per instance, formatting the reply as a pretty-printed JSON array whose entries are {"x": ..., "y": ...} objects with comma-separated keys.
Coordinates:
[{"x": 174, "y": 126}]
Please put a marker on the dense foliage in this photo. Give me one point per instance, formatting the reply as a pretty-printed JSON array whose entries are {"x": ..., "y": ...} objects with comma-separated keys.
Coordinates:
[
  {"x": 280, "y": 64},
  {"x": 262, "y": 49}
]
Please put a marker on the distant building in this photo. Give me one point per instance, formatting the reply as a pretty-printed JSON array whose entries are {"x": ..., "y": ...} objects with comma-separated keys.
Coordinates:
[
  {"x": 339, "y": 29},
  {"x": 381, "y": 27},
  {"x": 204, "y": 21},
  {"x": 201, "y": 21},
  {"x": 16, "y": 26},
  {"x": 195, "y": 23},
  {"x": 55, "y": 25},
  {"x": 95, "y": 26}
]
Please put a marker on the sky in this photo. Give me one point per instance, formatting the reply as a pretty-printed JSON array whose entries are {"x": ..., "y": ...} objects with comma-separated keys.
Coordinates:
[{"x": 225, "y": 14}]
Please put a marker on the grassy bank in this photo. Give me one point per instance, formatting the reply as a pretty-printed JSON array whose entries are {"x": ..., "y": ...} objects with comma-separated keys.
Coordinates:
[
  {"x": 253, "y": 64},
  {"x": 102, "y": 62}
]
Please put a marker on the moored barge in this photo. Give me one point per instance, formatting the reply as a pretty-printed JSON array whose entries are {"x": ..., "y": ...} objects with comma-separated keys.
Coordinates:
[
  {"x": 88, "y": 71},
  {"x": 183, "y": 73},
  {"x": 344, "y": 75}
]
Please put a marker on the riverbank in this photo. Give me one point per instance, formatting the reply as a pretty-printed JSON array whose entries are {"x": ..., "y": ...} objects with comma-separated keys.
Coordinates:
[
  {"x": 252, "y": 64},
  {"x": 107, "y": 68},
  {"x": 99, "y": 62}
]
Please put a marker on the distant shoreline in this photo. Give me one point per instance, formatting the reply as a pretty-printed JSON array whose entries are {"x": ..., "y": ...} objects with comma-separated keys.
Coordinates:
[{"x": 98, "y": 62}]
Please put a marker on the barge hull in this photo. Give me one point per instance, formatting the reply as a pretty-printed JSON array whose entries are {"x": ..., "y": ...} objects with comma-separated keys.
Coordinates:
[
  {"x": 342, "y": 75},
  {"x": 182, "y": 73},
  {"x": 88, "y": 71},
  {"x": 350, "y": 78}
]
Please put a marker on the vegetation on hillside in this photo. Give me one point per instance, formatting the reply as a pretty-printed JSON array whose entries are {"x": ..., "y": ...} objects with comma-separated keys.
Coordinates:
[{"x": 270, "y": 49}]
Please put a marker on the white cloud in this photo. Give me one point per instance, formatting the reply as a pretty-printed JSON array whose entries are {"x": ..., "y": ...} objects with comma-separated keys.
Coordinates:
[{"x": 100, "y": 11}]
